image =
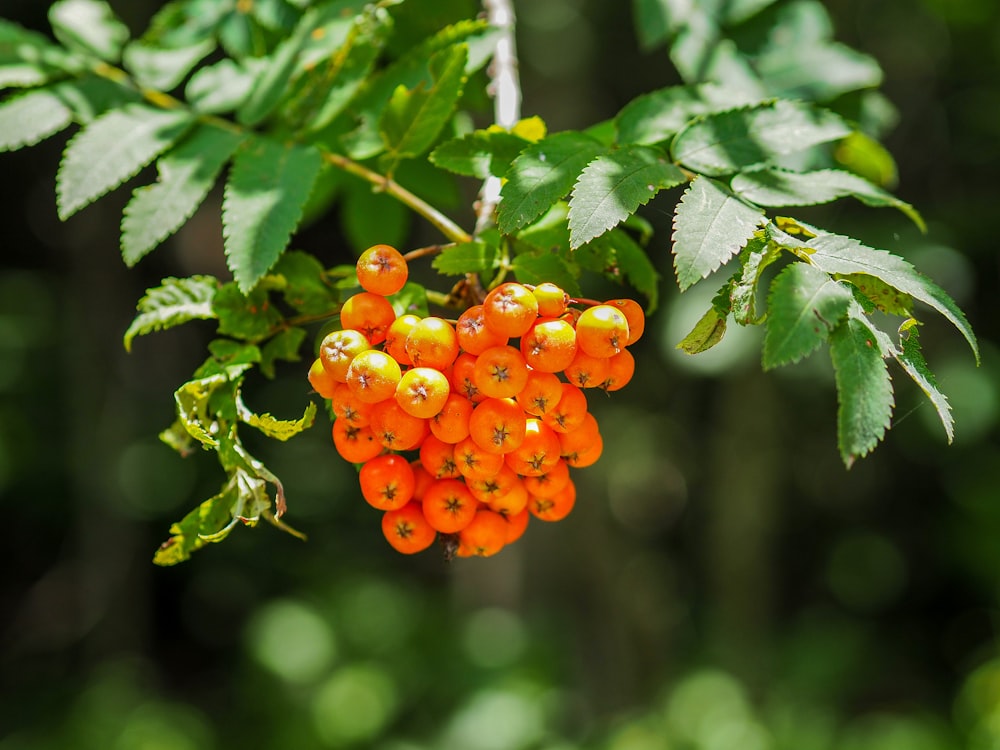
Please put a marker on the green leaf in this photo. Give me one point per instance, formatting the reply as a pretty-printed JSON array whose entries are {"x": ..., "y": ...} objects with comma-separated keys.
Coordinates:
[
  {"x": 816, "y": 72},
  {"x": 479, "y": 154},
  {"x": 777, "y": 187},
  {"x": 174, "y": 302},
  {"x": 541, "y": 175},
  {"x": 285, "y": 347},
  {"x": 113, "y": 148},
  {"x": 911, "y": 359},
  {"x": 710, "y": 226},
  {"x": 191, "y": 532},
  {"x": 186, "y": 174},
  {"x": 249, "y": 316},
  {"x": 193, "y": 404},
  {"x": 414, "y": 118},
  {"x": 864, "y": 389},
  {"x": 738, "y": 139},
  {"x": 843, "y": 255},
  {"x": 28, "y": 58},
  {"x": 532, "y": 268},
  {"x": 465, "y": 257},
  {"x": 758, "y": 254},
  {"x": 707, "y": 332},
  {"x": 412, "y": 298},
  {"x": 268, "y": 186},
  {"x": 222, "y": 87},
  {"x": 865, "y": 156},
  {"x": 89, "y": 26},
  {"x": 877, "y": 293},
  {"x": 31, "y": 117},
  {"x": 803, "y": 307},
  {"x": 370, "y": 216},
  {"x": 613, "y": 186},
  {"x": 328, "y": 90},
  {"x": 163, "y": 68},
  {"x": 225, "y": 355},
  {"x": 621, "y": 257},
  {"x": 307, "y": 287},
  {"x": 177, "y": 437},
  {"x": 279, "y": 429}
]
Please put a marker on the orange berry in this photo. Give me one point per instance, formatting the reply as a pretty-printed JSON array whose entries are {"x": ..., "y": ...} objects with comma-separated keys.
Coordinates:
[
  {"x": 422, "y": 479},
  {"x": 355, "y": 444},
  {"x": 633, "y": 313},
  {"x": 497, "y": 425},
  {"x": 395, "y": 338},
  {"x": 554, "y": 508},
  {"x": 474, "y": 336},
  {"x": 516, "y": 525},
  {"x": 586, "y": 370},
  {"x": 621, "y": 368},
  {"x": 500, "y": 372},
  {"x": 475, "y": 463},
  {"x": 510, "y": 309},
  {"x": 602, "y": 331},
  {"x": 485, "y": 489},
  {"x": 422, "y": 391},
  {"x": 438, "y": 458},
  {"x": 387, "y": 481},
  {"x": 552, "y": 299},
  {"x": 394, "y": 428},
  {"x": 348, "y": 407},
  {"x": 539, "y": 451},
  {"x": 511, "y": 502},
  {"x": 451, "y": 424},
  {"x": 371, "y": 314},
  {"x": 373, "y": 376},
  {"x": 448, "y": 505},
  {"x": 339, "y": 348},
  {"x": 582, "y": 446},
  {"x": 432, "y": 343},
  {"x": 549, "y": 345},
  {"x": 569, "y": 410},
  {"x": 382, "y": 270},
  {"x": 321, "y": 380},
  {"x": 550, "y": 483},
  {"x": 407, "y": 530},
  {"x": 540, "y": 394},
  {"x": 485, "y": 534},
  {"x": 462, "y": 380}
]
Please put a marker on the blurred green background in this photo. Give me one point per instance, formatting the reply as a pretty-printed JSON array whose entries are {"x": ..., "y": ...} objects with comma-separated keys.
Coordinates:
[{"x": 723, "y": 584}]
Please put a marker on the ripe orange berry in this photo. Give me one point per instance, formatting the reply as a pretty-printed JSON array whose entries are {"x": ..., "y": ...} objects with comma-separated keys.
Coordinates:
[
  {"x": 463, "y": 380},
  {"x": 500, "y": 372},
  {"x": 540, "y": 394},
  {"x": 475, "y": 463},
  {"x": 368, "y": 313},
  {"x": 348, "y": 407},
  {"x": 586, "y": 370},
  {"x": 550, "y": 483},
  {"x": 554, "y": 508},
  {"x": 395, "y": 338},
  {"x": 633, "y": 313},
  {"x": 373, "y": 376},
  {"x": 549, "y": 345},
  {"x": 511, "y": 502},
  {"x": 355, "y": 444},
  {"x": 485, "y": 534},
  {"x": 382, "y": 270},
  {"x": 320, "y": 379},
  {"x": 394, "y": 428},
  {"x": 552, "y": 299},
  {"x": 474, "y": 336},
  {"x": 407, "y": 530},
  {"x": 438, "y": 458},
  {"x": 387, "y": 481},
  {"x": 621, "y": 368},
  {"x": 582, "y": 446},
  {"x": 432, "y": 343},
  {"x": 448, "y": 505},
  {"x": 516, "y": 525},
  {"x": 339, "y": 348},
  {"x": 497, "y": 425},
  {"x": 486, "y": 489},
  {"x": 451, "y": 424},
  {"x": 602, "y": 331},
  {"x": 422, "y": 479},
  {"x": 539, "y": 451},
  {"x": 510, "y": 309},
  {"x": 422, "y": 391},
  {"x": 569, "y": 409}
]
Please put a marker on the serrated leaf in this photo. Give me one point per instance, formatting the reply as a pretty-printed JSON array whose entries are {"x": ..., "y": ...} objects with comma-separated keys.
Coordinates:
[
  {"x": 711, "y": 224},
  {"x": 739, "y": 139},
  {"x": 113, "y": 148},
  {"x": 880, "y": 295},
  {"x": 864, "y": 389},
  {"x": 465, "y": 257},
  {"x": 306, "y": 286},
  {"x": 163, "y": 68},
  {"x": 177, "y": 437},
  {"x": 189, "y": 534},
  {"x": 613, "y": 186},
  {"x": 222, "y": 87},
  {"x": 193, "y": 408},
  {"x": 707, "y": 332},
  {"x": 225, "y": 355},
  {"x": 412, "y": 298},
  {"x": 186, "y": 175},
  {"x": 31, "y": 117},
  {"x": 803, "y": 307},
  {"x": 279, "y": 429},
  {"x": 268, "y": 185},
  {"x": 816, "y": 71},
  {"x": 285, "y": 347},
  {"x": 911, "y": 359},
  {"x": 479, "y": 154},
  {"x": 174, "y": 302},
  {"x": 758, "y": 254},
  {"x": 623, "y": 259},
  {"x": 843, "y": 255},
  {"x": 91, "y": 96},
  {"x": 413, "y": 118},
  {"x": 328, "y": 91},
  {"x": 865, "y": 156},
  {"x": 28, "y": 58},
  {"x": 777, "y": 187},
  {"x": 532, "y": 268},
  {"x": 250, "y": 316},
  {"x": 542, "y": 175},
  {"x": 89, "y": 26}
]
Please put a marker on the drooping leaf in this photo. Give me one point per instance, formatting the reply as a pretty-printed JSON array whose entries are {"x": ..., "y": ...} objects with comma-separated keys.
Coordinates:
[
  {"x": 31, "y": 117},
  {"x": 711, "y": 224},
  {"x": 843, "y": 255},
  {"x": 89, "y": 26},
  {"x": 250, "y": 316},
  {"x": 163, "y": 68},
  {"x": 803, "y": 307},
  {"x": 465, "y": 257},
  {"x": 285, "y": 347},
  {"x": 622, "y": 258},
  {"x": 222, "y": 87},
  {"x": 758, "y": 254},
  {"x": 189, "y": 534},
  {"x": 534, "y": 268},
  {"x": 186, "y": 174},
  {"x": 777, "y": 187},
  {"x": 739, "y": 139},
  {"x": 413, "y": 118},
  {"x": 279, "y": 429},
  {"x": 911, "y": 359},
  {"x": 268, "y": 186},
  {"x": 864, "y": 389},
  {"x": 193, "y": 403},
  {"x": 479, "y": 154},
  {"x": 541, "y": 175},
  {"x": 113, "y": 148},
  {"x": 613, "y": 186},
  {"x": 174, "y": 302},
  {"x": 707, "y": 332}
]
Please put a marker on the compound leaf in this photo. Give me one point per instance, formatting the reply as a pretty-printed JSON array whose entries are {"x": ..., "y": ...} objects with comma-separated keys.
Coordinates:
[
  {"x": 186, "y": 174},
  {"x": 911, "y": 359},
  {"x": 268, "y": 186},
  {"x": 31, "y": 117},
  {"x": 174, "y": 302},
  {"x": 89, "y": 26},
  {"x": 613, "y": 186},
  {"x": 113, "y": 148},
  {"x": 711, "y": 224}
]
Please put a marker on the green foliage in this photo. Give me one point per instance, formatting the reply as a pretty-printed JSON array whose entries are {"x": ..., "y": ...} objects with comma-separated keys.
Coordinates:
[{"x": 298, "y": 108}]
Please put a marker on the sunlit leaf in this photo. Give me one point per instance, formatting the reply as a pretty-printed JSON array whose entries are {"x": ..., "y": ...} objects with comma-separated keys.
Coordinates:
[
  {"x": 89, "y": 26},
  {"x": 174, "y": 302},
  {"x": 657, "y": 116},
  {"x": 189, "y": 534},
  {"x": 33, "y": 116},
  {"x": 465, "y": 257},
  {"x": 250, "y": 316},
  {"x": 279, "y": 429},
  {"x": 480, "y": 153},
  {"x": 163, "y": 68}
]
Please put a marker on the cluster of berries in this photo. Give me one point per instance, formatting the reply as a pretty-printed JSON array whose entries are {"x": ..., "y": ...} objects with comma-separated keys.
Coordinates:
[{"x": 490, "y": 427}]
